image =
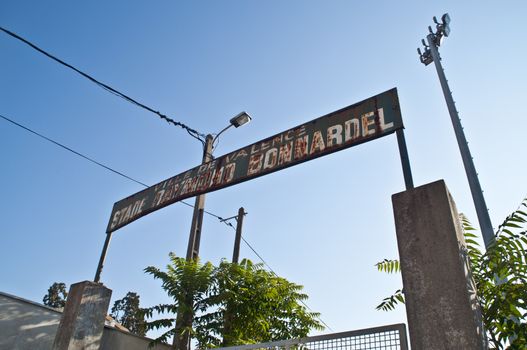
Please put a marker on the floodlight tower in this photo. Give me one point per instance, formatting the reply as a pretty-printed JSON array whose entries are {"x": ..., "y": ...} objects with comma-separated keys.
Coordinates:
[{"x": 429, "y": 55}]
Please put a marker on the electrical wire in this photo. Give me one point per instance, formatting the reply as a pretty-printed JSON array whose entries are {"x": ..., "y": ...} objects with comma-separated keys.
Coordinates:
[
  {"x": 192, "y": 132},
  {"x": 94, "y": 161},
  {"x": 226, "y": 222},
  {"x": 272, "y": 271},
  {"x": 90, "y": 159},
  {"x": 72, "y": 151}
]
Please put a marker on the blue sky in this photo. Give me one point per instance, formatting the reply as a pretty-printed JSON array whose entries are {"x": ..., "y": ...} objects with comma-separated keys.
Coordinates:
[{"x": 322, "y": 224}]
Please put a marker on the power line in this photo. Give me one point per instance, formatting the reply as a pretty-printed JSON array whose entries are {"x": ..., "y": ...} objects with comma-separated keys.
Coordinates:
[
  {"x": 96, "y": 162},
  {"x": 72, "y": 151},
  {"x": 145, "y": 185},
  {"x": 88, "y": 158},
  {"x": 192, "y": 132},
  {"x": 272, "y": 271}
]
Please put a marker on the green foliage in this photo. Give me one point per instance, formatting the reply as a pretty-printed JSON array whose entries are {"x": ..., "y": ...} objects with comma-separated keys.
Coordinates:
[
  {"x": 56, "y": 296},
  {"x": 232, "y": 304},
  {"x": 392, "y": 301},
  {"x": 127, "y": 312},
  {"x": 253, "y": 305},
  {"x": 389, "y": 266},
  {"x": 188, "y": 283},
  {"x": 500, "y": 275},
  {"x": 501, "y": 281}
]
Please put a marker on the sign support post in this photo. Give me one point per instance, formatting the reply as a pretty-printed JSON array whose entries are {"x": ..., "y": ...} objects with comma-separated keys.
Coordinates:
[
  {"x": 405, "y": 160},
  {"x": 103, "y": 257}
]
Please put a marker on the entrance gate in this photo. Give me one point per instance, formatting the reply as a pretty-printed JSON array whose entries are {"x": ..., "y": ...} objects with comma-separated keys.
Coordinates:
[{"x": 391, "y": 337}]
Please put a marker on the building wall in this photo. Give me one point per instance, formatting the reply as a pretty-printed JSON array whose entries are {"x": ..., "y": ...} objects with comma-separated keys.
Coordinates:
[{"x": 26, "y": 325}]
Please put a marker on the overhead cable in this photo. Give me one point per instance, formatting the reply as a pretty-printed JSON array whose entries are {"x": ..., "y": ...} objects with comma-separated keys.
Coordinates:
[
  {"x": 225, "y": 221},
  {"x": 192, "y": 132},
  {"x": 72, "y": 150},
  {"x": 96, "y": 162},
  {"x": 272, "y": 271}
]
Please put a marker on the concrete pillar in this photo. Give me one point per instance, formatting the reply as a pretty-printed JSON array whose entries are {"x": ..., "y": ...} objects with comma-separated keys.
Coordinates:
[
  {"x": 82, "y": 322},
  {"x": 441, "y": 304}
]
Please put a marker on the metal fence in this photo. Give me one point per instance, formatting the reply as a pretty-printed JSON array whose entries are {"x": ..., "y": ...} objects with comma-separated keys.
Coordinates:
[{"x": 392, "y": 337}]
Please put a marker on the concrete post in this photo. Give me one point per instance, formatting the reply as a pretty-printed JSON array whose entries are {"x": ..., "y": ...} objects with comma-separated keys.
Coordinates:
[
  {"x": 82, "y": 322},
  {"x": 441, "y": 304}
]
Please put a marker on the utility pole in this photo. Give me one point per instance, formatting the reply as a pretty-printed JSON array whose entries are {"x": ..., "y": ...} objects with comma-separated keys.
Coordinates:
[
  {"x": 184, "y": 318},
  {"x": 238, "y": 120},
  {"x": 239, "y": 225},
  {"x": 228, "y": 316},
  {"x": 431, "y": 54},
  {"x": 197, "y": 216}
]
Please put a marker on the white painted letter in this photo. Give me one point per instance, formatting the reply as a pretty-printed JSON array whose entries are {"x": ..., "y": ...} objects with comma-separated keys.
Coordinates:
[
  {"x": 367, "y": 120},
  {"x": 318, "y": 143},
  {"x": 285, "y": 154},
  {"x": 270, "y": 158},
  {"x": 255, "y": 164},
  {"x": 384, "y": 126},
  {"x": 334, "y": 135}
]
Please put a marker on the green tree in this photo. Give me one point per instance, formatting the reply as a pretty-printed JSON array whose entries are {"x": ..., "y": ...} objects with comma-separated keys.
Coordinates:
[
  {"x": 56, "y": 296},
  {"x": 253, "y": 305},
  {"x": 232, "y": 304},
  {"x": 500, "y": 275},
  {"x": 128, "y": 313},
  {"x": 188, "y": 283}
]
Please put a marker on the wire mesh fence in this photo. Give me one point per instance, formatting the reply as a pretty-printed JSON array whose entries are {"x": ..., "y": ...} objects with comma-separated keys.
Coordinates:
[{"x": 391, "y": 337}]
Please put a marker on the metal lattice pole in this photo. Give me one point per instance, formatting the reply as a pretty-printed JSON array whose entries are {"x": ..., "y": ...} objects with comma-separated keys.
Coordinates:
[{"x": 431, "y": 54}]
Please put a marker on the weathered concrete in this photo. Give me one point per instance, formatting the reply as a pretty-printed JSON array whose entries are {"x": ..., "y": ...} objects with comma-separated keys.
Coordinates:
[
  {"x": 114, "y": 339},
  {"x": 440, "y": 296},
  {"x": 82, "y": 323},
  {"x": 26, "y": 325}
]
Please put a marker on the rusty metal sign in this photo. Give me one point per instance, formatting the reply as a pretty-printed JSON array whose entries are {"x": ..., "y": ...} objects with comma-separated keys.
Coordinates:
[{"x": 372, "y": 118}]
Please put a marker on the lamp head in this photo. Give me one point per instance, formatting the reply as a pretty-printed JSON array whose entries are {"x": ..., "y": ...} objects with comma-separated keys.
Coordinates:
[
  {"x": 240, "y": 119},
  {"x": 445, "y": 19},
  {"x": 445, "y": 28}
]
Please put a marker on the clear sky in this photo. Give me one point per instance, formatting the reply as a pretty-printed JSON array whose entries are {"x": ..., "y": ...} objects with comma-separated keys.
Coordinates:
[{"x": 322, "y": 224}]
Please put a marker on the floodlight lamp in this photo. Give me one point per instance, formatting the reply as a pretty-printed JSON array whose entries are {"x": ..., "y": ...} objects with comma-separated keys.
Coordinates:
[
  {"x": 446, "y": 29},
  {"x": 430, "y": 30},
  {"x": 240, "y": 119},
  {"x": 427, "y": 58},
  {"x": 445, "y": 19},
  {"x": 440, "y": 37},
  {"x": 435, "y": 20},
  {"x": 424, "y": 43},
  {"x": 419, "y": 52}
]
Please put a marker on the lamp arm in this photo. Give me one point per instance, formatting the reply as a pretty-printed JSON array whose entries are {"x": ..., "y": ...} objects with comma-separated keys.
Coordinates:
[{"x": 218, "y": 135}]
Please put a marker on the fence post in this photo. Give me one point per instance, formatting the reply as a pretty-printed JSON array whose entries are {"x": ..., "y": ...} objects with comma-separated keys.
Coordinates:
[
  {"x": 441, "y": 304},
  {"x": 82, "y": 322}
]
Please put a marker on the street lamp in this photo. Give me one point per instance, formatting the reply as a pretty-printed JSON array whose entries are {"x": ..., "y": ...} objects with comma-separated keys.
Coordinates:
[
  {"x": 197, "y": 217},
  {"x": 429, "y": 55},
  {"x": 236, "y": 121},
  {"x": 239, "y": 119},
  {"x": 184, "y": 318}
]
